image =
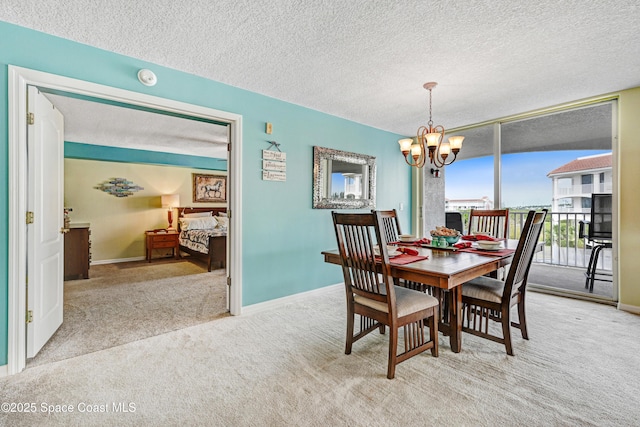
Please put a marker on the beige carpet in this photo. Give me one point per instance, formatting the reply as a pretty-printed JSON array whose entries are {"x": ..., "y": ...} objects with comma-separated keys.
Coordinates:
[
  {"x": 287, "y": 366},
  {"x": 126, "y": 302}
]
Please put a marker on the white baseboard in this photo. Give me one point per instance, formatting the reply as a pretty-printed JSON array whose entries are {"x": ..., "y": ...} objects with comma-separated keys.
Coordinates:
[
  {"x": 113, "y": 261},
  {"x": 4, "y": 371},
  {"x": 279, "y": 302},
  {"x": 630, "y": 308}
]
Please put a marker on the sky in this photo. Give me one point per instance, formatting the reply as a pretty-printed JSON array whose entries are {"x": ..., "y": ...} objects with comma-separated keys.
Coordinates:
[{"x": 524, "y": 176}]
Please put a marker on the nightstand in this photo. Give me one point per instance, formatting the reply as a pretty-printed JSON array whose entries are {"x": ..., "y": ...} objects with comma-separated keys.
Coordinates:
[{"x": 162, "y": 240}]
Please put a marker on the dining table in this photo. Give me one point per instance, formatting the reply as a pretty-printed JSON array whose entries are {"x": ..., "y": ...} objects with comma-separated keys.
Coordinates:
[{"x": 447, "y": 269}]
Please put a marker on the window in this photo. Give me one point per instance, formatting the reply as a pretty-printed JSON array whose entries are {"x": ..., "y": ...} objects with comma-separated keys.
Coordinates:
[
  {"x": 469, "y": 181},
  {"x": 539, "y": 164},
  {"x": 565, "y": 203},
  {"x": 587, "y": 183}
]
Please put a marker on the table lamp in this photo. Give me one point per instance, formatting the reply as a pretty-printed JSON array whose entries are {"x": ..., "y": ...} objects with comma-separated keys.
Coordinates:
[{"x": 170, "y": 201}]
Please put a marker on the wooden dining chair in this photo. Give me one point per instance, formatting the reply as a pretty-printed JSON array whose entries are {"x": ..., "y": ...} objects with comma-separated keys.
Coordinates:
[
  {"x": 390, "y": 225},
  {"x": 486, "y": 298},
  {"x": 372, "y": 295},
  {"x": 492, "y": 221}
]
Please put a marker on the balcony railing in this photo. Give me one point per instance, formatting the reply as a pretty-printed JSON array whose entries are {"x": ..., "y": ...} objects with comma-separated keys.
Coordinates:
[
  {"x": 583, "y": 189},
  {"x": 562, "y": 244}
]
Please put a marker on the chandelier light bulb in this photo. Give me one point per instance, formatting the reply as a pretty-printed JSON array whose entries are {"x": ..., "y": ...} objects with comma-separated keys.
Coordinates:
[{"x": 405, "y": 145}]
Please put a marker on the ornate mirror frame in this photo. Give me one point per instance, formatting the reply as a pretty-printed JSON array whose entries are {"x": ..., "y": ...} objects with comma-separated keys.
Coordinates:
[{"x": 324, "y": 160}]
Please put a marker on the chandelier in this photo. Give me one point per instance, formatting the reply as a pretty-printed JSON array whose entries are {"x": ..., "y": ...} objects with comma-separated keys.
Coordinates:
[{"x": 430, "y": 139}]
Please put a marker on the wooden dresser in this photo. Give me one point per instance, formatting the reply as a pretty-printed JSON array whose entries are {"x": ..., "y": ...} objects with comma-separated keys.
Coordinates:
[{"x": 77, "y": 252}]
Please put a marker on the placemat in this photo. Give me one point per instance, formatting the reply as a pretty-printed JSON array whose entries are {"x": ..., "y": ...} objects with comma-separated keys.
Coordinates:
[
  {"x": 406, "y": 259},
  {"x": 501, "y": 252}
]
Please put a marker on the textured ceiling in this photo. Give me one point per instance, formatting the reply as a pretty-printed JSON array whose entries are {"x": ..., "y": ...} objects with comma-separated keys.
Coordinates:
[{"x": 366, "y": 60}]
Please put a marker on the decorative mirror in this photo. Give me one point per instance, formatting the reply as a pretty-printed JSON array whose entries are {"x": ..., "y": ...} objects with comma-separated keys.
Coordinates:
[{"x": 343, "y": 180}]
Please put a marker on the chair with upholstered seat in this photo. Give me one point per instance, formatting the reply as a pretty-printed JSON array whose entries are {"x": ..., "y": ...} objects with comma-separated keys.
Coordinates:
[
  {"x": 390, "y": 225},
  {"x": 598, "y": 234},
  {"x": 486, "y": 298},
  {"x": 494, "y": 222},
  {"x": 372, "y": 295}
]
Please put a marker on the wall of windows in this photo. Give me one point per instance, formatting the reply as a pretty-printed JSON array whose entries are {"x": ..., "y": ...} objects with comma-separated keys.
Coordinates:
[{"x": 556, "y": 161}]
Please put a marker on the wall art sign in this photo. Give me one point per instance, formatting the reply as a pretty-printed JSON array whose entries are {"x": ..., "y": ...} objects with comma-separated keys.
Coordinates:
[{"x": 274, "y": 165}]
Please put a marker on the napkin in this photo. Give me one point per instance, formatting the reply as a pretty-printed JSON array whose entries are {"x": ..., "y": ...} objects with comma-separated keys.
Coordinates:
[
  {"x": 462, "y": 245},
  {"x": 408, "y": 251},
  {"x": 485, "y": 237},
  {"x": 475, "y": 237}
]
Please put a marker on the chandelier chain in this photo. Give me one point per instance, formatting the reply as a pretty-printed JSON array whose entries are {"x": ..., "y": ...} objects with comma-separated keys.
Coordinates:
[{"x": 430, "y": 119}]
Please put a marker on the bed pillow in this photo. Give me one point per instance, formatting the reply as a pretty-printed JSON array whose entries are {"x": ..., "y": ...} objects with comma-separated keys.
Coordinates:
[
  {"x": 223, "y": 214},
  {"x": 197, "y": 214},
  {"x": 204, "y": 223},
  {"x": 223, "y": 221}
]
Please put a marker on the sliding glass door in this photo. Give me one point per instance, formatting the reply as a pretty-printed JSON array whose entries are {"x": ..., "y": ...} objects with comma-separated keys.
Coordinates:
[{"x": 556, "y": 161}]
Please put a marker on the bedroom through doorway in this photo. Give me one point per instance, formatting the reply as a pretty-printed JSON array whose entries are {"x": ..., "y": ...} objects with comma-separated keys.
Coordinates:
[
  {"x": 127, "y": 297},
  {"x": 181, "y": 272}
]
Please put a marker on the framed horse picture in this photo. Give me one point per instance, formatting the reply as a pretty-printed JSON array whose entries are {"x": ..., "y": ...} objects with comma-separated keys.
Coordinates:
[{"x": 209, "y": 188}]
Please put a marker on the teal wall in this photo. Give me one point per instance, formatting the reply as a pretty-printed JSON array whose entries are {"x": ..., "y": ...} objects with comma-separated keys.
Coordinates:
[
  {"x": 76, "y": 150},
  {"x": 282, "y": 235}
]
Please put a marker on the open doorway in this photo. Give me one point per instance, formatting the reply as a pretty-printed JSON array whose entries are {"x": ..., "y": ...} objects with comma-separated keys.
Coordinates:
[
  {"x": 20, "y": 79},
  {"x": 117, "y": 297}
]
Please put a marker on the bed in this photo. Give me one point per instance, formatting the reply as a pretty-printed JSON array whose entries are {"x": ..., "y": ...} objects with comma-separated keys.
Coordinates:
[{"x": 203, "y": 234}]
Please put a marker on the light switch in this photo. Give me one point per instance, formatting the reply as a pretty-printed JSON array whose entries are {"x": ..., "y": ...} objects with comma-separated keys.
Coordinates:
[
  {"x": 269, "y": 128},
  {"x": 401, "y": 206}
]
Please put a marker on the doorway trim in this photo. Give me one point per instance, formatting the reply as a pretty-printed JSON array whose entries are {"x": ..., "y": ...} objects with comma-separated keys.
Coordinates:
[{"x": 18, "y": 80}]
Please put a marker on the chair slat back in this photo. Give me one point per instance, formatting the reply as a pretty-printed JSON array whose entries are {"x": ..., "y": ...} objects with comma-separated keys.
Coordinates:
[
  {"x": 390, "y": 225},
  {"x": 519, "y": 269},
  {"x": 492, "y": 221},
  {"x": 358, "y": 236},
  {"x": 601, "y": 216},
  {"x": 454, "y": 220}
]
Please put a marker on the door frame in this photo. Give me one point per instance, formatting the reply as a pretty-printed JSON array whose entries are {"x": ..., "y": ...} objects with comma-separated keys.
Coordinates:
[{"x": 18, "y": 80}]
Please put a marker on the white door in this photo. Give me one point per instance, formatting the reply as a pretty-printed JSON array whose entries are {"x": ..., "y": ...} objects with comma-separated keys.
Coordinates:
[{"x": 45, "y": 241}]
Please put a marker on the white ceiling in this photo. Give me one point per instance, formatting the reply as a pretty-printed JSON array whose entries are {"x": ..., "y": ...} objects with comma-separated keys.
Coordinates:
[
  {"x": 366, "y": 60},
  {"x": 102, "y": 124}
]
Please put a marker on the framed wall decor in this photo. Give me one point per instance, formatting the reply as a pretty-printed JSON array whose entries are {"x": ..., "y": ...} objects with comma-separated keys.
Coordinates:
[
  {"x": 119, "y": 187},
  {"x": 343, "y": 180},
  {"x": 209, "y": 188}
]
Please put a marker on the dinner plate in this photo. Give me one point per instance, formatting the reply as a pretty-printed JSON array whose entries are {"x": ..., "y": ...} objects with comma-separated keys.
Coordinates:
[
  {"x": 487, "y": 249},
  {"x": 392, "y": 251},
  {"x": 488, "y": 244}
]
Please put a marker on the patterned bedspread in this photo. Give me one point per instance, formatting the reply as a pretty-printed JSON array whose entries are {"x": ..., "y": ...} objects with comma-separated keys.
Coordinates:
[{"x": 198, "y": 240}]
